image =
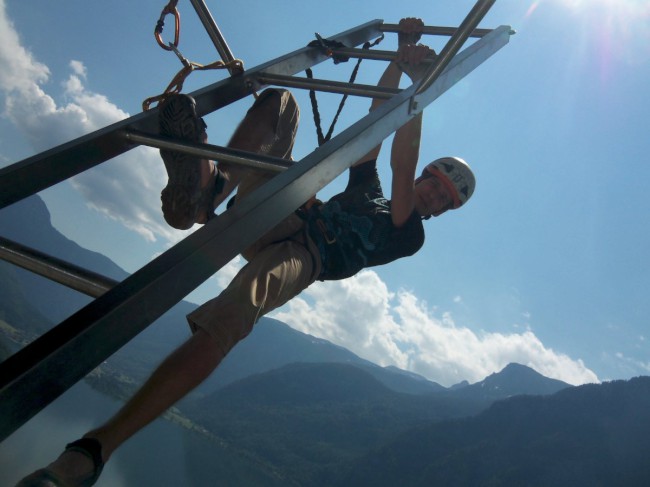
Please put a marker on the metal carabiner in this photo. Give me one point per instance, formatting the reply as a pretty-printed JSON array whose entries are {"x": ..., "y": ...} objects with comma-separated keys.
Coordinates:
[
  {"x": 170, "y": 8},
  {"x": 323, "y": 45},
  {"x": 182, "y": 58}
]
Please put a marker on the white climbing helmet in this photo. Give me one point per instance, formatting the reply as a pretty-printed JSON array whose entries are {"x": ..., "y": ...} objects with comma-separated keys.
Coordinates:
[{"x": 456, "y": 176}]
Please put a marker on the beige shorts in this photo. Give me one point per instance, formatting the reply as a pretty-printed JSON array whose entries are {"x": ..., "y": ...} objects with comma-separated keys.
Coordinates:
[{"x": 280, "y": 265}]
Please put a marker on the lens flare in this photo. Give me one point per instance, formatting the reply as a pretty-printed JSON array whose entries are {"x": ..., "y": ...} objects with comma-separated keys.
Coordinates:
[
  {"x": 532, "y": 8},
  {"x": 618, "y": 29}
]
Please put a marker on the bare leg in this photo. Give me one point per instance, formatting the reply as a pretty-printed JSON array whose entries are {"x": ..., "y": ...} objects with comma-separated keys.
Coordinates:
[
  {"x": 181, "y": 372},
  {"x": 189, "y": 196},
  {"x": 193, "y": 361},
  {"x": 257, "y": 133}
]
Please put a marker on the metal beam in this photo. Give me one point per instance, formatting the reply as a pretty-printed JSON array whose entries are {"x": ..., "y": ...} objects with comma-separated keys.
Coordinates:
[
  {"x": 467, "y": 60},
  {"x": 455, "y": 42},
  {"x": 213, "y": 32},
  {"x": 80, "y": 343}
]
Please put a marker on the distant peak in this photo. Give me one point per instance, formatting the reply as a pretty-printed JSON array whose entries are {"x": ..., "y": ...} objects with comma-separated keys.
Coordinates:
[{"x": 513, "y": 366}]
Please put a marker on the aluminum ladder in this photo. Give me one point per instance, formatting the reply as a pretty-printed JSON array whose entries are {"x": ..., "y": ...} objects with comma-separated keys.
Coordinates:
[{"x": 37, "y": 374}]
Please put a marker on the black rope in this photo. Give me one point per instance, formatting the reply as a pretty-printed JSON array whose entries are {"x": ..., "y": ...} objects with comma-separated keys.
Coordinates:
[{"x": 312, "y": 94}]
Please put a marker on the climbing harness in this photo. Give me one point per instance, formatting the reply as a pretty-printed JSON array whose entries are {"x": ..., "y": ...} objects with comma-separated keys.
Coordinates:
[
  {"x": 329, "y": 48},
  {"x": 176, "y": 84}
]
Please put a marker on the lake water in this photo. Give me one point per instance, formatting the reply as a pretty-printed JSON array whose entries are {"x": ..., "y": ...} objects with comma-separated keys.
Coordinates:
[{"x": 155, "y": 456}]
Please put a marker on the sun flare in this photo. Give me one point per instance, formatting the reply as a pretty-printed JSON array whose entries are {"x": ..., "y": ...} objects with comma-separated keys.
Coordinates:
[
  {"x": 620, "y": 29},
  {"x": 634, "y": 10},
  {"x": 587, "y": 4}
]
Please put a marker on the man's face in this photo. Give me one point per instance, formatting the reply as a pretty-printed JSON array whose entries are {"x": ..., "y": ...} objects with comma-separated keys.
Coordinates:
[{"x": 432, "y": 198}]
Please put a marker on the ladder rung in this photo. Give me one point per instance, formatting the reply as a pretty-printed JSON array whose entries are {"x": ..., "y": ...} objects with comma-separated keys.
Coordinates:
[
  {"x": 373, "y": 54},
  {"x": 70, "y": 275},
  {"x": 329, "y": 86},
  {"x": 437, "y": 31},
  {"x": 209, "y": 151}
]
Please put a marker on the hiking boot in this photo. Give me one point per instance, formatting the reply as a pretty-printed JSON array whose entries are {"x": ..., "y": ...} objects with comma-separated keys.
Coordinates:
[{"x": 183, "y": 198}]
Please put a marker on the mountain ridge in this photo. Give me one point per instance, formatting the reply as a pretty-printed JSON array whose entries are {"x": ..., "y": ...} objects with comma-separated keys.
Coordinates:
[{"x": 594, "y": 434}]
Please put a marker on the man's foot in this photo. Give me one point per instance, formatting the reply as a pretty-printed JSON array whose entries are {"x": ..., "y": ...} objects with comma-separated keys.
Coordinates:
[
  {"x": 191, "y": 189},
  {"x": 78, "y": 466}
]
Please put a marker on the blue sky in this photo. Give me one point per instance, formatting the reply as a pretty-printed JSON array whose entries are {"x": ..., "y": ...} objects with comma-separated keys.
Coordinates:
[{"x": 546, "y": 266}]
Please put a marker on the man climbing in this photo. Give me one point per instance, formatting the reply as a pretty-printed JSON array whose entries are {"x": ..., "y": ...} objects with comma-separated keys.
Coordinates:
[{"x": 356, "y": 229}]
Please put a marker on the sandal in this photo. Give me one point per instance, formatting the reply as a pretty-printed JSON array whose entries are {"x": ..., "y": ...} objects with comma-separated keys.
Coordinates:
[
  {"x": 89, "y": 447},
  {"x": 183, "y": 198},
  {"x": 42, "y": 478}
]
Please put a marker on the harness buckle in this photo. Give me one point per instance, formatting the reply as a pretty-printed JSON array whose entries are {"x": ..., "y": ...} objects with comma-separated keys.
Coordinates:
[{"x": 330, "y": 238}]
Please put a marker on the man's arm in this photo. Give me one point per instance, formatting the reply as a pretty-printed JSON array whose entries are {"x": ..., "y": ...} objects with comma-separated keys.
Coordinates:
[
  {"x": 390, "y": 79},
  {"x": 409, "y": 35},
  {"x": 403, "y": 161},
  {"x": 406, "y": 143}
]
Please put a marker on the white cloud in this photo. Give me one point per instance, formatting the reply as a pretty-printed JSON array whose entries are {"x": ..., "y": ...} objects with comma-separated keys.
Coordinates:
[
  {"x": 78, "y": 68},
  {"x": 17, "y": 63},
  {"x": 398, "y": 329},
  {"x": 217, "y": 283},
  {"x": 228, "y": 272},
  {"x": 125, "y": 189}
]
